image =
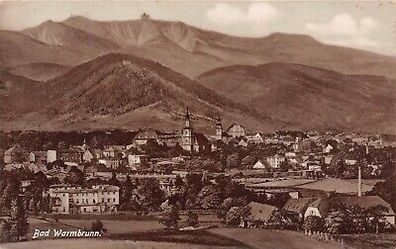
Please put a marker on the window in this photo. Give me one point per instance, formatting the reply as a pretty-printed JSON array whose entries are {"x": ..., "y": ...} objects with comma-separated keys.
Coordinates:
[
  {"x": 108, "y": 199},
  {"x": 93, "y": 201},
  {"x": 113, "y": 199}
]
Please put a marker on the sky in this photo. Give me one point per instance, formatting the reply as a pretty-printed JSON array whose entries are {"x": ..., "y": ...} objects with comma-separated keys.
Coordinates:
[{"x": 368, "y": 25}]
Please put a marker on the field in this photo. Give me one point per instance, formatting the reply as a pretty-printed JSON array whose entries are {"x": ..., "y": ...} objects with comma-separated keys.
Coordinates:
[
  {"x": 105, "y": 244},
  {"x": 371, "y": 241},
  {"x": 271, "y": 239}
]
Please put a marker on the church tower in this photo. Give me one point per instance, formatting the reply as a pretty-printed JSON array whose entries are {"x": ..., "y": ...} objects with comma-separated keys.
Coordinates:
[
  {"x": 187, "y": 133},
  {"x": 219, "y": 129}
]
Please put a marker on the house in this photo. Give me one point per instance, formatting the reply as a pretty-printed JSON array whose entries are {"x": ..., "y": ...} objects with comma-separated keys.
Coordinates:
[
  {"x": 256, "y": 138},
  {"x": 38, "y": 157},
  {"x": 51, "y": 156},
  {"x": 298, "y": 206},
  {"x": 71, "y": 155},
  {"x": 143, "y": 135},
  {"x": 16, "y": 154},
  {"x": 87, "y": 156},
  {"x": 322, "y": 206},
  {"x": 328, "y": 158},
  {"x": 259, "y": 213},
  {"x": 259, "y": 165},
  {"x": 319, "y": 208},
  {"x": 137, "y": 159},
  {"x": 69, "y": 199},
  {"x": 328, "y": 149},
  {"x": 275, "y": 161},
  {"x": 114, "y": 151},
  {"x": 111, "y": 163},
  {"x": 243, "y": 142},
  {"x": 236, "y": 130}
]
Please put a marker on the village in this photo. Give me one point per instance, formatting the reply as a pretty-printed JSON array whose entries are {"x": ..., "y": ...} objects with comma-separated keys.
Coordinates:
[{"x": 294, "y": 180}]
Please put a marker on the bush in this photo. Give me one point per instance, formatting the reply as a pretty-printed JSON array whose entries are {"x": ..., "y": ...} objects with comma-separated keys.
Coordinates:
[
  {"x": 97, "y": 226},
  {"x": 313, "y": 223},
  {"x": 192, "y": 219}
]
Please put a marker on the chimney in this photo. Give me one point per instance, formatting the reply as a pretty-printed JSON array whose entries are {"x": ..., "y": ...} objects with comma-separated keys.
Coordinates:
[{"x": 359, "y": 181}]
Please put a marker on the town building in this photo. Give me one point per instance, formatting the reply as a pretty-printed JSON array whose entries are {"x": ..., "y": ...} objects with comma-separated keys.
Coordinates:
[
  {"x": 74, "y": 155},
  {"x": 137, "y": 159},
  {"x": 275, "y": 161},
  {"x": 66, "y": 199},
  {"x": 236, "y": 130},
  {"x": 38, "y": 157}
]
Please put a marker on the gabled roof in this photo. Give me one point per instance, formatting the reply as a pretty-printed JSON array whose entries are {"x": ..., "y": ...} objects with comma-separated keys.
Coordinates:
[
  {"x": 40, "y": 153},
  {"x": 298, "y": 206},
  {"x": 261, "y": 211},
  {"x": 322, "y": 204},
  {"x": 364, "y": 202},
  {"x": 235, "y": 124},
  {"x": 200, "y": 139}
]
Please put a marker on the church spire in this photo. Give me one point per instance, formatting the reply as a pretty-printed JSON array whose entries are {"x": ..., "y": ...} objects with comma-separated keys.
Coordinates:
[{"x": 187, "y": 118}]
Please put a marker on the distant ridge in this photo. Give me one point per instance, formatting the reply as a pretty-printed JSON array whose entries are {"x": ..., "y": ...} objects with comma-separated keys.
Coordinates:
[
  {"x": 185, "y": 49},
  {"x": 308, "y": 97}
]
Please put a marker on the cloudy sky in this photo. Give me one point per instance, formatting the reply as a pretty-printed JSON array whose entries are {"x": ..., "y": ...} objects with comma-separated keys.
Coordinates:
[{"x": 360, "y": 24}]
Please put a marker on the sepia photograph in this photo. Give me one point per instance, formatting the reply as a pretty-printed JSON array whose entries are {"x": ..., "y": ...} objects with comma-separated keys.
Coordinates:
[{"x": 187, "y": 124}]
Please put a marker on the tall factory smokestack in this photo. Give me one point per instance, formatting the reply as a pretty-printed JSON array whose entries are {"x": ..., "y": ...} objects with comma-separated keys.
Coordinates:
[{"x": 359, "y": 181}]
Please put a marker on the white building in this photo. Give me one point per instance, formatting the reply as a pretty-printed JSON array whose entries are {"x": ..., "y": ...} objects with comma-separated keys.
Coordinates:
[
  {"x": 134, "y": 160},
  {"x": 66, "y": 199},
  {"x": 259, "y": 165},
  {"x": 275, "y": 161}
]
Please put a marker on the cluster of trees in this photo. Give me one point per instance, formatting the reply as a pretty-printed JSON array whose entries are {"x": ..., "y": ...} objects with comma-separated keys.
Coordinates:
[
  {"x": 345, "y": 219},
  {"x": 43, "y": 140},
  {"x": 13, "y": 221},
  {"x": 387, "y": 189},
  {"x": 382, "y": 157}
]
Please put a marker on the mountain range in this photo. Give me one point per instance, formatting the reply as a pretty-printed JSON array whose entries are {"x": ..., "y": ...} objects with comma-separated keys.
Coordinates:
[{"x": 86, "y": 74}]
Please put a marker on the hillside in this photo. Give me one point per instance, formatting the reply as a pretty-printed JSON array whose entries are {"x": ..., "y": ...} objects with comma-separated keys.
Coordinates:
[
  {"x": 123, "y": 91},
  {"x": 17, "y": 48},
  {"x": 175, "y": 43},
  {"x": 19, "y": 96},
  {"x": 308, "y": 97},
  {"x": 71, "y": 39},
  {"x": 40, "y": 71}
]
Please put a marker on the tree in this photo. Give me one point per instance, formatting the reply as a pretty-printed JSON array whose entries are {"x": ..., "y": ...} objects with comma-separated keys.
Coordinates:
[
  {"x": 5, "y": 227},
  {"x": 284, "y": 166},
  {"x": 209, "y": 197},
  {"x": 113, "y": 180},
  {"x": 236, "y": 215},
  {"x": 170, "y": 217},
  {"x": 233, "y": 161},
  {"x": 336, "y": 221},
  {"x": 192, "y": 219},
  {"x": 179, "y": 182},
  {"x": 75, "y": 176},
  {"x": 127, "y": 190},
  {"x": 97, "y": 226},
  {"x": 313, "y": 223},
  {"x": 151, "y": 195},
  {"x": 227, "y": 205},
  {"x": 19, "y": 226}
]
